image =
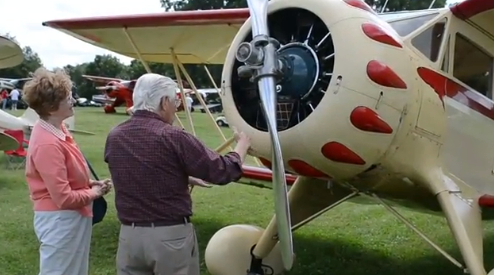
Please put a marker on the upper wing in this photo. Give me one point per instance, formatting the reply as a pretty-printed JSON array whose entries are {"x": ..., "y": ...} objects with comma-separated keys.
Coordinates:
[
  {"x": 100, "y": 79},
  {"x": 10, "y": 53},
  {"x": 195, "y": 36},
  {"x": 478, "y": 12}
]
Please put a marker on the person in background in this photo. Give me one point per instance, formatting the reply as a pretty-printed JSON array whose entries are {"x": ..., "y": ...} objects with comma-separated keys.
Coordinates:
[
  {"x": 14, "y": 98},
  {"x": 189, "y": 102},
  {"x": 152, "y": 164},
  {"x": 58, "y": 179},
  {"x": 3, "y": 98}
]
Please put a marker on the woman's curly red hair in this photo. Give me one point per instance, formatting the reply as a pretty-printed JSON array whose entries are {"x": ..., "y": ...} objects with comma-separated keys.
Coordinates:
[{"x": 44, "y": 92}]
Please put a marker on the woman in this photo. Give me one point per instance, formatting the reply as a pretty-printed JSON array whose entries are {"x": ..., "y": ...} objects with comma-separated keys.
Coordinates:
[
  {"x": 58, "y": 178},
  {"x": 3, "y": 98}
]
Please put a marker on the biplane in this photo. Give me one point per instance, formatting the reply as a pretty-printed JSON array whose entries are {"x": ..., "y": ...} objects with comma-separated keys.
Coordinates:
[
  {"x": 116, "y": 92},
  {"x": 13, "y": 83},
  {"x": 11, "y": 55},
  {"x": 393, "y": 108}
]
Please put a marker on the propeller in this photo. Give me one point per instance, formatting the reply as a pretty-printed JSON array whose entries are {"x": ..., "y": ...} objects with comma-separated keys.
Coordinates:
[{"x": 260, "y": 56}]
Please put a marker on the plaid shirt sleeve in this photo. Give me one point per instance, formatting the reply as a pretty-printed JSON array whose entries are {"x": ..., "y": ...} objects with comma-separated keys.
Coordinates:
[{"x": 201, "y": 162}]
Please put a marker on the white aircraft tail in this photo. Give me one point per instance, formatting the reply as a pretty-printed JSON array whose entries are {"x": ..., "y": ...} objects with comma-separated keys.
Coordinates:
[
  {"x": 70, "y": 123},
  {"x": 30, "y": 117}
]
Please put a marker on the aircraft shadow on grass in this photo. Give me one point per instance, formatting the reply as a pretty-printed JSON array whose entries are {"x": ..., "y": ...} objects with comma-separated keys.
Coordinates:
[{"x": 317, "y": 256}]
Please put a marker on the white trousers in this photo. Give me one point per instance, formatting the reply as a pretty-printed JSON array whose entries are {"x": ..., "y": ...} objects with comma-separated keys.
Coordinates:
[{"x": 65, "y": 239}]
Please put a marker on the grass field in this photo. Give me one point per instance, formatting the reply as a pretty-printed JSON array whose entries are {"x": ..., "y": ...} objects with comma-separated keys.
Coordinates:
[{"x": 349, "y": 240}]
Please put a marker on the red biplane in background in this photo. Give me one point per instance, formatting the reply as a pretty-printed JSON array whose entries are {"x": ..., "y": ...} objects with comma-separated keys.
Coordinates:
[{"x": 117, "y": 92}]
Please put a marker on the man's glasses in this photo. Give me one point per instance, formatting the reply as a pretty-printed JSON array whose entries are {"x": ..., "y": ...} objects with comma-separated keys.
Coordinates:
[{"x": 178, "y": 102}]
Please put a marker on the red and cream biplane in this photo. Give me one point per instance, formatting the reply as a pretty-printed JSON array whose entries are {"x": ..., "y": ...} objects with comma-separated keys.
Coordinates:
[
  {"x": 392, "y": 108},
  {"x": 118, "y": 91}
]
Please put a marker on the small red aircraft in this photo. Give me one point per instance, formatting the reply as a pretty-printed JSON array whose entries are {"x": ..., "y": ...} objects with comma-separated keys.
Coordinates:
[
  {"x": 119, "y": 91},
  {"x": 116, "y": 91}
]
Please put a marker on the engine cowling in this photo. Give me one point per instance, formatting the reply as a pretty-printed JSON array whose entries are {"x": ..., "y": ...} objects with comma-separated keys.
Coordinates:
[{"x": 345, "y": 85}]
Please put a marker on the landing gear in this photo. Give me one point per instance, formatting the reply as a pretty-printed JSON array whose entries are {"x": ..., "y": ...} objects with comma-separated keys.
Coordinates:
[
  {"x": 251, "y": 250},
  {"x": 255, "y": 265},
  {"x": 229, "y": 252}
]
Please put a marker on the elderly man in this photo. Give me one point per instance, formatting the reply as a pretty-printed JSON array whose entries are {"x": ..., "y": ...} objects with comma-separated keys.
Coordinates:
[{"x": 152, "y": 164}]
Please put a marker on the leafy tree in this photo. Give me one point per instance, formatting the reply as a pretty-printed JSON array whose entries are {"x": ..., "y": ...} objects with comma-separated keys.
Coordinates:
[
  {"x": 392, "y": 5},
  {"x": 102, "y": 65},
  {"x": 401, "y": 5},
  {"x": 136, "y": 69},
  {"x": 31, "y": 62},
  {"x": 84, "y": 88}
]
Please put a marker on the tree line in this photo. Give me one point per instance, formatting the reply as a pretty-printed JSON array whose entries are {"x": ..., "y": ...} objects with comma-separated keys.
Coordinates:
[{"x": 111, "y": 66}]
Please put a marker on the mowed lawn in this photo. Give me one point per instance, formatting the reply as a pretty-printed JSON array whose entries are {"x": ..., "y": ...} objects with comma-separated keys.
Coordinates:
[{"x": 349, "y": 240}]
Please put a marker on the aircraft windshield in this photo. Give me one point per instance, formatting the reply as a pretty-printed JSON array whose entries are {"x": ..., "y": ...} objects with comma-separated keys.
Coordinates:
[
  {"x": 406, "y": 26},
  {"x": 429, "y": 41},
  {"x": 472, "y": 65}
]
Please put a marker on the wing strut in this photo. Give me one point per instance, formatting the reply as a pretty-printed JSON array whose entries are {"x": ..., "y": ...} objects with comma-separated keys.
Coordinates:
[
  {"x": 179, "y": 67},
  {"x": 219, "y": 91},
  {"x": 181, "y": 87},
  {"x": 145, "y": 65}
]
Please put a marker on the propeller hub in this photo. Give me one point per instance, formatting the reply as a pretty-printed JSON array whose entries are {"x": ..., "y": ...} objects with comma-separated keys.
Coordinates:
[{"x": 300, "y": 70}]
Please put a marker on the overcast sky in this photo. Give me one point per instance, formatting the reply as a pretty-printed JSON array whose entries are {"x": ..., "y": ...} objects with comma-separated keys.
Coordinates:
[{"x": 23, "y": 18}]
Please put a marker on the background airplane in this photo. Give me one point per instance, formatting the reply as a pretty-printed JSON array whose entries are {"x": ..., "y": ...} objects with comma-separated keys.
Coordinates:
[
  {"x": 116, "y": 92},
  {"x": 12, "y": 83},
  {"x": 11, "y": 55},
  {"x": 394, "y": 109},
  {"x": 119, "y": 91}
]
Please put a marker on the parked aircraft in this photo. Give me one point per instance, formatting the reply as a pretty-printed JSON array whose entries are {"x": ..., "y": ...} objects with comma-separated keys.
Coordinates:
[
  {"x": 12, "y": 83},
  {"x": 119, "y": 91},
  {"x": 11, "y": 55},
  {"x": 116, "y": 91},
  {"x": 394, "y": 109}
]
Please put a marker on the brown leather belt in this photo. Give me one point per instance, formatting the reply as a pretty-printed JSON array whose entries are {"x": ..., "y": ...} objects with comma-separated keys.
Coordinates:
[{"x": 183, "y": 220}]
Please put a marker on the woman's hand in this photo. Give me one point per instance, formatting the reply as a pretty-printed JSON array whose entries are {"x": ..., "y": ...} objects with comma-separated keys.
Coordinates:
[{"x": 102, "y": 187}]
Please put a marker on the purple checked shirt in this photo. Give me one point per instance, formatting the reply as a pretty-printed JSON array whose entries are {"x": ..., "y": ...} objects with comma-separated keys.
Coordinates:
[{"x": 150, "y": 162}]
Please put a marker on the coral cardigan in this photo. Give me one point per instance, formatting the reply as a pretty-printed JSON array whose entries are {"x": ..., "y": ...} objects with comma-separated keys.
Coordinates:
[{"x": 56, "y": 171}]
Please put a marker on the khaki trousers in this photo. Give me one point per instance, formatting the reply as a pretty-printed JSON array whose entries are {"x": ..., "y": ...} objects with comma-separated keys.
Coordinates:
[{"x": 163, "y": 250}]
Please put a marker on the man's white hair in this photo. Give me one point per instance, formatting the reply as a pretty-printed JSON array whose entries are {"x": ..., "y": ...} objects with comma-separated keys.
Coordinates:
[{"x": 150, "y": 89}]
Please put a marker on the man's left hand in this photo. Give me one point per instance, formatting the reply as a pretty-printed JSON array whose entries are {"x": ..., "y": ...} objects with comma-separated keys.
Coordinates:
[{"x": 198, "y": 182}]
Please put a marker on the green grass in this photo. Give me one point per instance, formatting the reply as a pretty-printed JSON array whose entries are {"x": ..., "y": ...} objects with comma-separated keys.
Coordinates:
[{"x": 349, "y": 240}]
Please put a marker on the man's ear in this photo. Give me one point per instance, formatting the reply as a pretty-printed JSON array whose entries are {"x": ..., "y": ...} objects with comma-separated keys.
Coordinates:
[{"x": 163, "y": 104}]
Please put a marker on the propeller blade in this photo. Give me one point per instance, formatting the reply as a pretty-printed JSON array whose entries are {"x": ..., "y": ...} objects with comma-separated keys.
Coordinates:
[
  {"x": 267, "y": 91},
  {"x": 7, "y": 142}
]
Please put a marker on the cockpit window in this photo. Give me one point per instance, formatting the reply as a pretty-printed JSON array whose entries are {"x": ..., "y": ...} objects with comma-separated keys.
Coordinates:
[
  {"x": 472, "y": 66},
  {"x": 430, "y": 40},
  {"x": 406, "y": 26}
]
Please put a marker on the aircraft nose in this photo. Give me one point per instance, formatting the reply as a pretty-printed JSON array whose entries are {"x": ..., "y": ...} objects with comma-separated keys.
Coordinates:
[{"x": 345, "y": 80}]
